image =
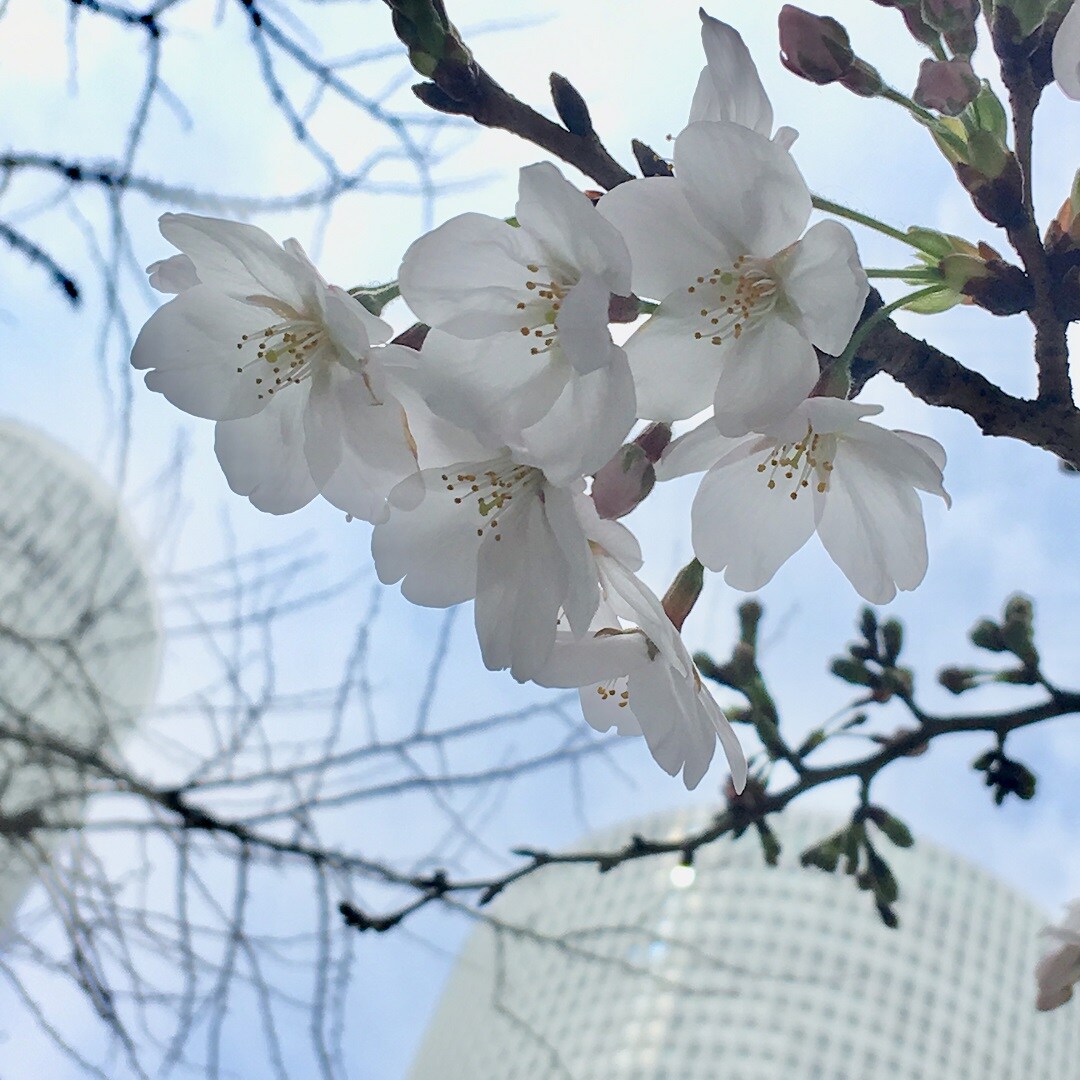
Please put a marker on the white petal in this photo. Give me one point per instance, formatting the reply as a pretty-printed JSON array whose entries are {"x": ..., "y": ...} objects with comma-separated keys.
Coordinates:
[
  {"x": 494, "y": 387},
  {"x": 785, "y": 137},
  {"x": 522, "y": 580},
  {"x": 173, "y": 275},
  {"x": 615, "y": 538},
  {"x": 766, "y": 373},
  {"x": 743, "y": 528},
  {"x": 912, "y": 459},
  {"x": 434, "y": 547},
  {"x": 262, "y": 456},
  {"x": 239, "y": 260},
  {"x": 630, "y": 599},
  {"x": 583, "y": 326},
  {"x": 352, "y": 328},
  {"x": 678, "y": 736},
  {"x": 1065, "y": 55},
  {"x": 584, "y": 427},
  {"x": 594, "y": 658},
  {"x": 824, "y": 280},
  {"x": 607, "y": 710},
  {"x": 575, "y": 239},
  {"x": 467, "y": 276},
  {"x": 583, "y": 589},
  {"x": 667, "y": 244},
  {"x": 733, "y": 751},
  {"x": 438, "y": 442},
  {"x": 744, "y": 189},
  {"x": 730, "y": 87},
  {"x": 828, "y": 414},
  {"x": 695, "y": 451},
  {"x": 191, "y": 343},
  {"x": 922, "y": 478},
  {"x": 872, "y": 526},
  {"x": 357, "y": 449},
  {"x": 675, "y": 374}
]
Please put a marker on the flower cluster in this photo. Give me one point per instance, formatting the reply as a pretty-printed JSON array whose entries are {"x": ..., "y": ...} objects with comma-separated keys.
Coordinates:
[{"x": 479, "y": 456}]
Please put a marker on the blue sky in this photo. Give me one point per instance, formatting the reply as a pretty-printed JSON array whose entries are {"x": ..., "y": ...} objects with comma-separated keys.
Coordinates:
[{"x": 1012, "y": 526}]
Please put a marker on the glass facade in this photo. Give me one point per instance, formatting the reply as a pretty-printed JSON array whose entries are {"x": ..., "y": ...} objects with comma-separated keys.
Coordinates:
[{"x": 749, "y": 972}]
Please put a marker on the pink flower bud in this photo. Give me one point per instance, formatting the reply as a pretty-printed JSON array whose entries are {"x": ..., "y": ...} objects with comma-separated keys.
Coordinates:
[
  {"x": 629, "y": 476},
  {"x": 623, "y": 482},
  {"x": 948, "y": 86},
  {"x": 814, "y": 47}
]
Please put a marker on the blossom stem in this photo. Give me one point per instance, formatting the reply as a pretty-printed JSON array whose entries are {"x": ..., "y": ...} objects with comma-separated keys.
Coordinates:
[
  {"x": 830, "y": 207},
  {"x": 913, "y": 273},
  {"x": 864, "y": 329},
  {"x": 926, "y": 118},
  {"x": 376, "y": 297}
]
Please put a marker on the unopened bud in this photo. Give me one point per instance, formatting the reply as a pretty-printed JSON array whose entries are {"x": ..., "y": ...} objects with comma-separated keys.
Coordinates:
[
  {"x": 862, "y": 79},
  {"x": 917, "y": 26},
  {"x": 947, "y": 86},
  {"x": 956, "y": 20},
  {"x": 814, "y": 47},
  {"x": 623, "y": 482},
  {"x": 683, "y": 594}
]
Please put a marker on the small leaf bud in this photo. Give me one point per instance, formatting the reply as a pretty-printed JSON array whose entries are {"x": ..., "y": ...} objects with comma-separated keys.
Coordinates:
[
  {"x": 891, "y": 826},
  {"x": 649, "y": 161},
  {"x": 892, "y": 637},
  {"x": 851, "y": 671},
  {"x": 570, "y": 106},
  {"x": 987, "y": 635},
  {"x": 958, "y": 680}
]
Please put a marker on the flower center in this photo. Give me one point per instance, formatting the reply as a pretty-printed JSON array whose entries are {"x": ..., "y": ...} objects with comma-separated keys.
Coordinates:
[
  {"x": 615, "y": 692},
  {"x": 542, "y": 310},
  {"x": 793, "y": 467},
  {"x": 734, "y": 299},
  {"x": 283, "y": 353},
  {"x": 489, "y": 492}
]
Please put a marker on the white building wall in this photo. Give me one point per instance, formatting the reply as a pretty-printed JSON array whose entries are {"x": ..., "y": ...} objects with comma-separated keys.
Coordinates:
[
  {"x": 751, "y": 973},
  {"x": 79, "y": 633}
]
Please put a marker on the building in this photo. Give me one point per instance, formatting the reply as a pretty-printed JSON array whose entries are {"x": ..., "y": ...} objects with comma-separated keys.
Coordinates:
[
  {"x": 749, "y": 973},
  {"x": 79, "y": 639}
]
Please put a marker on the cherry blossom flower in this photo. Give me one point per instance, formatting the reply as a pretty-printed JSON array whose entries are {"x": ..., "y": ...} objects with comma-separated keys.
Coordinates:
[
  {"x": 500, "y": 531},
  {"x": 743, "y": 300},
  {"x": 520, "y": 351},
  {"x": 729, "y": 87},
  {"x": 822, "y": 468},
  {"x": 1065, "y": 54},
  {"x": 1059, "y": 968},
  {"x": 636, "y": 676},
  {"x": 257, "y": 340}
]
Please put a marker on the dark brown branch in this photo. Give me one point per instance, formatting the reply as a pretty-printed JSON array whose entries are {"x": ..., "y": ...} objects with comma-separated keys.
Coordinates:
[
  {"x": 460, "y": 86},
  {"x": 940, "y": 380}
]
